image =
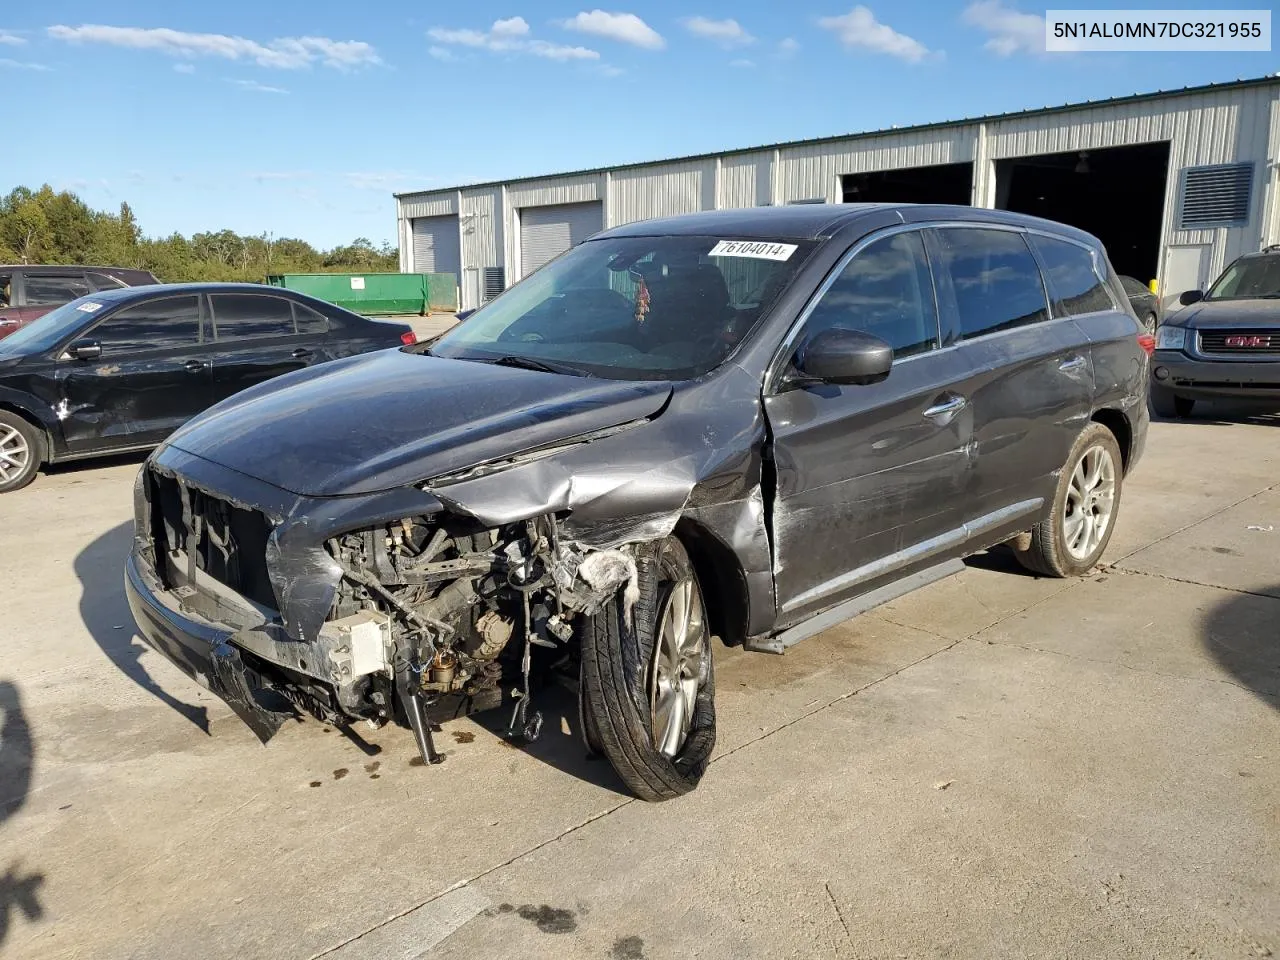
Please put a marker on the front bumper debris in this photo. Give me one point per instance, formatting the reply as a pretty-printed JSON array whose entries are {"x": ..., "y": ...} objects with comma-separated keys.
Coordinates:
[{"x": 201, "y": 651}]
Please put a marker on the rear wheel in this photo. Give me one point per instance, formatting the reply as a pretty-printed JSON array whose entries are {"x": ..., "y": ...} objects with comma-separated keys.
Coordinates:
[
  {"x": 1149, "y": 324},
  {"x": 648, "y": 687},
  {"x": 21, "y": 452},
  {"x": 1165, "y": 403},
  {"x": 1085, "y": 507}
]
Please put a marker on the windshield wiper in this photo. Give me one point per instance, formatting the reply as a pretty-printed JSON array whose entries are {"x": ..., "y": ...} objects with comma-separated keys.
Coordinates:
[{"x": 529, "y": 363}]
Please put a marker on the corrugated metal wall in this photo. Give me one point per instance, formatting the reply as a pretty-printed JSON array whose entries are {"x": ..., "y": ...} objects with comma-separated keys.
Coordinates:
[
  {"x": 1227, "y": 125},
  {"x": 813, "y": 171},
  {"x": 660, "y": 190}
]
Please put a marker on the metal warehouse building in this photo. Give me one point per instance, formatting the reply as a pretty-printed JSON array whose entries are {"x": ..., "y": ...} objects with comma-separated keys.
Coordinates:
[{"x": 1176, "y": 184}]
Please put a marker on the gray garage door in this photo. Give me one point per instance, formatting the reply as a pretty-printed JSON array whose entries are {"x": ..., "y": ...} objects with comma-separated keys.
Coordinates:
[
  {"x": 547, "y": 232},
  {"x": 435, "y": 246}
]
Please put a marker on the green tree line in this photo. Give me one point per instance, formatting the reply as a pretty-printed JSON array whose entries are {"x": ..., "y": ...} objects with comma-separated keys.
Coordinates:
[{"x": 48, "y": 226}]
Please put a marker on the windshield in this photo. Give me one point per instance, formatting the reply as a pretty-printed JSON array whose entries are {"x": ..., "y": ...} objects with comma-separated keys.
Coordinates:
[
  {"x": 1256, "y": 277},
  {"x": 631, "y": 308},
  {"x": 45, "y": 333}
]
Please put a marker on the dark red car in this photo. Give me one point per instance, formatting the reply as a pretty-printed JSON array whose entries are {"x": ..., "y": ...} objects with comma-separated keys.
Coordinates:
[{"x": 29, "y": 290}]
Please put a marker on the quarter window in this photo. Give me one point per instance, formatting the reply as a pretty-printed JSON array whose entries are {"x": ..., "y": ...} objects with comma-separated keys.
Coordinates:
[
  {"x": 239, "y": 316},
  {"x": 309, "y": 322},
  {"x": 1073, "y": 281},
  {"x": 153, "y": 325},
  {"x": 40, "y": 289},
  {"x": 101, "y": 281},
  {"x": 995, "y": 279},
  {"x": 886, "y": 291}
]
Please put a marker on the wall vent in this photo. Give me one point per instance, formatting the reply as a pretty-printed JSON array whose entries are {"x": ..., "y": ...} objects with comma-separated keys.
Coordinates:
[
  {"x": 1216, "y": 196},
  {"x": 494, "y": 282}
]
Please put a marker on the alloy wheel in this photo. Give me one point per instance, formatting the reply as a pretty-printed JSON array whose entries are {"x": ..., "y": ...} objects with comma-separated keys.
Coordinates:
[
  {"x": 1090, "y": 502},
  {"x": 15, "y": 454},
  {"x": 680, "y": 666}
]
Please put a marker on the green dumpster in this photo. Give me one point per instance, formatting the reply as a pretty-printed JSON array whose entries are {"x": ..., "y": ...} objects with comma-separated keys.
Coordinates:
[{"x": 377, "y": 294}]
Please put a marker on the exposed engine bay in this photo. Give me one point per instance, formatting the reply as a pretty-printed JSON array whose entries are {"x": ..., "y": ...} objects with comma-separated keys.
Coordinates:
[{"x": 434, "y": 609}]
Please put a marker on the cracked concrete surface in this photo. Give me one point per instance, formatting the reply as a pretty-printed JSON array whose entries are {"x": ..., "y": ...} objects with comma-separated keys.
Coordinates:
[{"x": 997, "y": 765}]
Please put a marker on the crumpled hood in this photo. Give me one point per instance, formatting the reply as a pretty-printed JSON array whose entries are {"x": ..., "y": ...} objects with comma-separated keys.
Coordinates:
[
  {"x": 391, "y": 418},
  {"x": 1229, "y": 313}
]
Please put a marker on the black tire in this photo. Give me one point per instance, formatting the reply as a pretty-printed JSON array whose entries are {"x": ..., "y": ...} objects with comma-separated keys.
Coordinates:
[
  {"x": 617, "y": 659},
  {"x": 34, "y": 451},
  {"x": 1046, "y": 553},
  {"x": 1169, "y": 405}
]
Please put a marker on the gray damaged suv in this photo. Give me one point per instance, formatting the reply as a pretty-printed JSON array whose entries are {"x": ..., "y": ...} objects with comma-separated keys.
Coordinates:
[{"x": 744, "y": 425}]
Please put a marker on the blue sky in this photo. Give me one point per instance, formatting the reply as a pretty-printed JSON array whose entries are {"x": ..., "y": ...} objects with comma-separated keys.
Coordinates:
[{"x": 301, "y": 118}]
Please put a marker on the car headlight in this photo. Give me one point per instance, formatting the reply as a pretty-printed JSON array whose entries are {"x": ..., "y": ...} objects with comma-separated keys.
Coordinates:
[{"x": 1171, "y": 338}]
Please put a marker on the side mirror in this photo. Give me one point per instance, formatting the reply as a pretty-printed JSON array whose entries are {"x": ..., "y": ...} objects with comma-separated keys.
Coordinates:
[
  {"x": 1188, "y": 297},
  {"x": 462, "y": 315},
  {"x": 845, "y": 357},
  {"x": 84, "y": 350}
]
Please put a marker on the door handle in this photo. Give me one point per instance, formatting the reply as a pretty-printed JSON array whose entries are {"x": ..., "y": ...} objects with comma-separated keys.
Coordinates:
[
  {"x": 952, "y": 405},
  {"x": 1074, "y": 363},
  {"x": 194, "y": 366},
  {"x": 302, "y": 353}
]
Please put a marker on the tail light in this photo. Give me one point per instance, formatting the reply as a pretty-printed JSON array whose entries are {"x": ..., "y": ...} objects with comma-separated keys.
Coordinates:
[
  {"x": 409, "y": 338},
  {"x": 1147, "y": 342}
]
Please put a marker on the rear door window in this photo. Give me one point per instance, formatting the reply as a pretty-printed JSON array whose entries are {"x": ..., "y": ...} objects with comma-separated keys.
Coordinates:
[
  {"x": 6, "y": 290},
  {"x": 885, "y": 290},
  {"x": 247, "y": 316},
  {"x": 1073, "y": 277},
  {"x": 42, "y": 289},
  {"x": 166, "y": 323},
  {"x": 994, "y": 278}
]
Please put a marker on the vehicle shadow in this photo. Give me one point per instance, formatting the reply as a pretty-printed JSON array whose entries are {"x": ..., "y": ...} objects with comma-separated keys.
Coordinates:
[
  {"x": 1242, "y": 633},
  {"x": 105, "y": 612},
  {"x": 999, "y": 559},
  {"x": 560, "y": 744},
  {"x": 18, "y": 890}
]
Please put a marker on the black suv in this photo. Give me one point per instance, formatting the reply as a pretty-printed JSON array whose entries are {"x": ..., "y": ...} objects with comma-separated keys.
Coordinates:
[
  {"x": 741, "y": 424},
  {"x": 121, "y": 369},
  {"x": 1225, "y": 343}
]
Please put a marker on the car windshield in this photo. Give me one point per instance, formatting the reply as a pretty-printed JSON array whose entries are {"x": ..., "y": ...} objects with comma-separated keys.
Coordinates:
[
  {"x": 1254, "y": 278},
  {"x": 45, "y": 333},
  {"x": 632, "y": 308}
]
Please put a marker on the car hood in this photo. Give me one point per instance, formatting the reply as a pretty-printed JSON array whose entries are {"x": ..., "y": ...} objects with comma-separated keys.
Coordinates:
[
  {"x": 391, "y": 418},
  {"x": 1230, "y": 313}
]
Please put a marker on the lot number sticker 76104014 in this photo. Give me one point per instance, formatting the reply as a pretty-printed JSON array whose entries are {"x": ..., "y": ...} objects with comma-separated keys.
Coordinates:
[{"x": 757, "y": 249}]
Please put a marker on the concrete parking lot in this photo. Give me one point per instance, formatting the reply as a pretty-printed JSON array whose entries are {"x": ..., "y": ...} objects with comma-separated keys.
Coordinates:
[{"x": 996, "y": 766}]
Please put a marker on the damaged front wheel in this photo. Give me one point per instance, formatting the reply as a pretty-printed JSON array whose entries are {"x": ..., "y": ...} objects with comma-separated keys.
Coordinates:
[{"x": 648, "y": 690}]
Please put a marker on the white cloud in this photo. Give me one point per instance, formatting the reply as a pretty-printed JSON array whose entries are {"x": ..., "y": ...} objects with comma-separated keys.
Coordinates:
[
  {"x": 505, "y": 36},
  {"x": 788, "y": 47},
  {"x": 726, "y": 32},
  {"x": 609, "y": 70},
  {"x": 860, "y": 29},
  {"x": 256, "y": 87},
  {"x": 742, "y": 63},
  {"x": 1012, "y": 31},
  {"x": 184, "y": 68},
  {"x": 11, "y": 39},
  {"x": 21, "y": 65},
  {"x": 623, "y": 27},
  {"x": 284, "y": 53}
]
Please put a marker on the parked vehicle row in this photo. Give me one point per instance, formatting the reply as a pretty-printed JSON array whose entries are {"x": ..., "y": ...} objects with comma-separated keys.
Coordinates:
[
  {"x": 120, "y": 369},
  {"x": 29, "y": 291},
  {"x": 740, "y": 424}
]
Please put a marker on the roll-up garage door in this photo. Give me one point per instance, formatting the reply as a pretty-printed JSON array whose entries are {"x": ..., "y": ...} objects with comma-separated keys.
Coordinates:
[
  {"x": 435, "y": 246},
  {"x": 547, "y": 232}
]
